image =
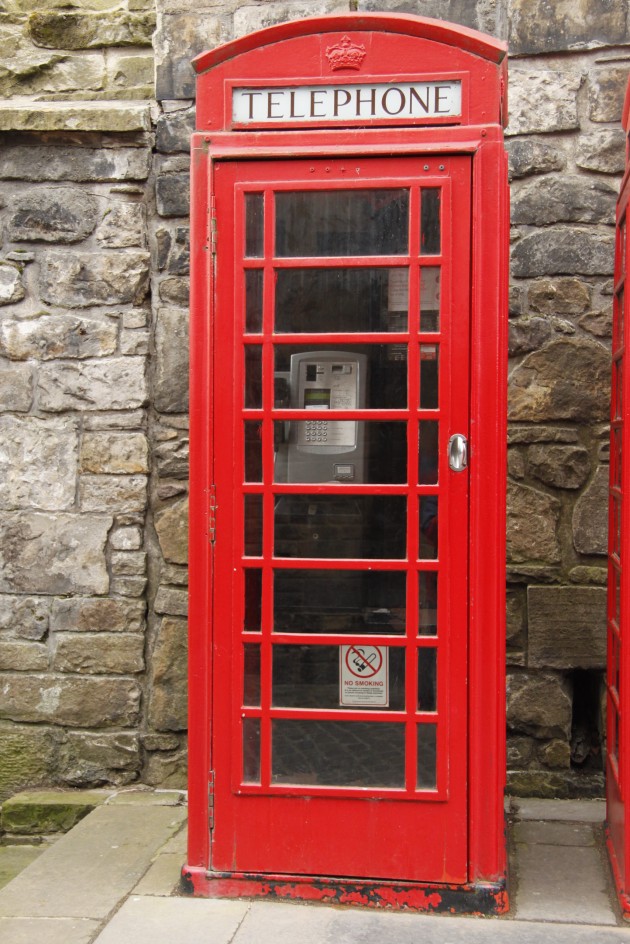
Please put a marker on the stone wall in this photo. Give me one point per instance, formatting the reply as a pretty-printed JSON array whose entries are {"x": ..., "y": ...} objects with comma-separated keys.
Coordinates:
[{"x": 94, "y": 277}]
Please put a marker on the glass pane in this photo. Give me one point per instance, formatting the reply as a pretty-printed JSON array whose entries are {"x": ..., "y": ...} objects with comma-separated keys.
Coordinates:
[
  {"x": 253, "y": 600},
  {"x": 253, "y": 377},
  {"x": 382, "y": 383},
  {"x": 338, "y": 753},
  {"x": 427, "y": 679},
  {"x": 429, "y": 527},
  {"x": 253, "y": 301},
  {"x": 342, "y": 223},
  {"x": 428, "y": 602},
  {"x": 430, "y": 298},
  {"x": 428, "y": 452},
  {"x": 254, "y": 225},
  {"x": 309, "y": 677},
  {"x": 430, "y": 235},
  {"x": 341, "y": 526},
  {"x": 429, "y": 363},
  {"x": 339, "y": 601},
  {"x": 427, "y": 757},
  {"x": 251, "y": 676},
  {"x": 253, "y": 525},
  {"x": 253, "y": 450},
  {"x": 251, "y": 750},
  {"x": 340, "y": 451},
  {"x": 349, "y": 300}
]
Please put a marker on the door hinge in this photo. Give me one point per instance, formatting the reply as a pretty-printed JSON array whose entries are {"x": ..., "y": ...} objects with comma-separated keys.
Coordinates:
[
  {"x": 212, "y": 513},
  {"x": 211, "y": 799}
]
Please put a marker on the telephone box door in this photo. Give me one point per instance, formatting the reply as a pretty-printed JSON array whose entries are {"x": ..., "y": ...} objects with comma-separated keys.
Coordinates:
[{"x": 341, "y": 400}]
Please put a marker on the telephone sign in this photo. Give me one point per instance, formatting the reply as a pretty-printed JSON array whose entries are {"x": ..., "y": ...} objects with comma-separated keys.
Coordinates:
[{"x": 348, "y": 318}]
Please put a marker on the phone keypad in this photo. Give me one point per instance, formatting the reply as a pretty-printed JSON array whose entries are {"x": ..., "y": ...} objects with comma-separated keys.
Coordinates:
[{"x": 316, "y": 431}]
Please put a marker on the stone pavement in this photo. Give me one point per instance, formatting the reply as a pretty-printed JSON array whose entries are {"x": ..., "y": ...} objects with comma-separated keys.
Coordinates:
[{"x": 113, "y": 879}]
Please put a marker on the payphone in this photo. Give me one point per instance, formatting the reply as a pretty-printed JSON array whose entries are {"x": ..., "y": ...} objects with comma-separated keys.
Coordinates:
[{"x": 348, "y": 322}]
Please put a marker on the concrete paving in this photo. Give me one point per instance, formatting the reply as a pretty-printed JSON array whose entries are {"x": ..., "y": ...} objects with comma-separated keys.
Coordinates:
[{"x": 114, "y": 879}]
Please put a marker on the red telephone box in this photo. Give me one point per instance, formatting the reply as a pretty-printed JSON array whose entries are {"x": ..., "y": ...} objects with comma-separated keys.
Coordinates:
[
  {"x": 618, "y": 665},
  {"x": 349, "y": 244}
]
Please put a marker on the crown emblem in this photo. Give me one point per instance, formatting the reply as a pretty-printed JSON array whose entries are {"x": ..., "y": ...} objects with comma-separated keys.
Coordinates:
[{"x": 345, "y": 54}]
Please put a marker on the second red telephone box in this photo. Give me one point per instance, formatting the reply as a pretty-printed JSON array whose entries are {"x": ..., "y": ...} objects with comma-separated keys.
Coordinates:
[{"x": 348, "y": 320}]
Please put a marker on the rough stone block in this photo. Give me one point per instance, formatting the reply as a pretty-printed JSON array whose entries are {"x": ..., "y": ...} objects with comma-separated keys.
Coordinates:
[
  {"x": 20, "y": 656},
  {"x": 113, "y": 493},
  {"x": 71, "y": 29},
  {"x": 41, "y": 812},
  {"x": 37, "y": 72},
  {"x": 535, "y": 434},
  {"x": 45, "y": 337},
  {"x": 171, "y": 526},
  {"x": 564, "y": 200},
  {"x": 55, "y": 162},
  {"x": 112, "y": 384},
  {"x": 559, "y": 466},
  {"x": 528, "y": 334},
  {"x": 59, "y": 215},
  {"x": 171, "y": 459},
  {"x": 532, "y": 523},
  {"x": 175, "y": 291},
  {"x": 94, "y": 614},
  {"x": 128, "y": 563},
  {"x": 563, "y": 296},
  {"x": 539, "y": 27},
  {"x": 529, "y": 156},
  {"x": 168, "y": 691},
  {"x": 542, "y": 101},
  {"x": 98, "y": 653},
  {"x": 24, "y": 617},
  {"x": 114, "y": 453},
  {"x": 126, "y": 539},
  {"x": 86, "y": 278},
  {"x": 567, "y": 627},
  {"x": 11, "y": 288},
  {"x": 167, "y": 770},
  {"x": 606, "y": 91},
  {"x": 172, "y": 193},
  {"x": 171, "y": 601},
  {"x": 27, "y": 756},
  {"x": 38, "y": 463},
  {"x": 170, "y": 390},
  {"x": 539, "y": 705},
  {"x": 129, "y": 586},
  {"x": 88, "y": 757},
  {"x": 568, "y": 380},
  {"x": 174, "y": 130},
  {"x": 590, "y": 516},
  {"x": 563, "y": 250},
  {"x": 53, "y": 553},
  {"x": 75, "y": 116},
  {"x": 602, "y": 151},
  {"x": 16, "y": 388},
  {"x": 515, "y": 617},
  {"x": 598, "y": 323},
  {"x": 179, "y": 38},
  {"x": 173, "y": 254},
  {"x": 131, "y": 76},
  {"x": 123, "y": 226},
  {"x": 79, "y": 702}
]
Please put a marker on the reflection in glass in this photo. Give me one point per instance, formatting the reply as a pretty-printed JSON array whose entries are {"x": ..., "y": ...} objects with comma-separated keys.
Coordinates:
[
  {"x": 429, "y": 363},
  {"x": 379, "y": 453},
  {"x": 428, "y": 602},
  {"x": 430, "y": 298},
  {"x": 251, "y": 677},
  {"x": 428, "y": 452},
  {"x": 338, "y": 753},
  {"x": 428, "y": 527},
  {"x": 253, "y": 300},
  {"x": 253, "y": 450},
  {"x": 350, "y": 300},
  {"x": 253, "y": 525},
  {"x": 427, "y": 679},
  {"x": 342, "y": 223},
  {"x": 339, "y": 601},
  {"x": 253, "y": 600},
  {"x": 253, "y": 376},
  {"x": 430, "y": 230},
  {"x": 254, "y": 225},
  {"x": 386, "y": 379},
  {"x": 341, "y": 526},
  {"x": 309, "y": 677},
  {"x": 251, "y": 750},
  {"x": 427, "y": 757}
]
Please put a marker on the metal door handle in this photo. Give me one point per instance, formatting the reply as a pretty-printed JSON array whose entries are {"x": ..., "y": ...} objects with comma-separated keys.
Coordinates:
[{"x": 457, "y": 452}]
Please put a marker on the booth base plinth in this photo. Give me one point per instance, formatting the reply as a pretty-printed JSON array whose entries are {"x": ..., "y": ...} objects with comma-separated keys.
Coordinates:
[{"x": 432, "y": 898}]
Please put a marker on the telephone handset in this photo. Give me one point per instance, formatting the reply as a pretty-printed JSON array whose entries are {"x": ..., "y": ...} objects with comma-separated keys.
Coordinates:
[{"x": 323, "y": 450}]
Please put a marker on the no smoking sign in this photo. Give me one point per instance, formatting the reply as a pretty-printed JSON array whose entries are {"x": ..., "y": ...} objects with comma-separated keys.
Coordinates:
[{"x": 363, "y": 676}]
